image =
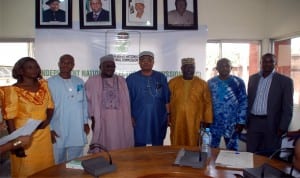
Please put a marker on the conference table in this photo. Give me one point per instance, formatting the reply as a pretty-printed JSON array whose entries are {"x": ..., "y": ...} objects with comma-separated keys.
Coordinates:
[{"x": 155, "y": 161}]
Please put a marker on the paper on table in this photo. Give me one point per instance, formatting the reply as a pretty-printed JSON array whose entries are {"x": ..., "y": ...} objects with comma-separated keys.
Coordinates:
[
  {"x": 74, "y": 164},
  {"x": 27, "y": 129},
  {"x": 234, "y": 159}
]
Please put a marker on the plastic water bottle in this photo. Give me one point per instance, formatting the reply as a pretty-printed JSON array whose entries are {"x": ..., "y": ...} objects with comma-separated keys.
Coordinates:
[{"x": 206, "y": 140}]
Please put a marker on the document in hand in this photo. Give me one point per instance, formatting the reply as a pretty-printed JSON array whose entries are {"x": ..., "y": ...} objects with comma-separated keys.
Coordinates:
[
  {"x": 27, "y": 129},
  {"x": 234, "y": 159}
]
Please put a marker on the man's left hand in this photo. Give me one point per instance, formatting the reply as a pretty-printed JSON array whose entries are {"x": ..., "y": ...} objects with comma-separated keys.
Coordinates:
[
  {"x": 280, "y": 132},
  {"x": 239, "y": 128}
]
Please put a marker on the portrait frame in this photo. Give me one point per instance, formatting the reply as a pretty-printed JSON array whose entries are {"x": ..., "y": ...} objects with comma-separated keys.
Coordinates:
[
  {"x": 148, "y": 21},
  {"x": 105, "y": 20},
  {"x": 192, "y": 15},
  {"x": 64, "y": 15}
]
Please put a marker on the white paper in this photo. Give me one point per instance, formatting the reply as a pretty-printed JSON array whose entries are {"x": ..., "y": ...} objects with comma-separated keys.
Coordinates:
[
  {"x": 234, "y": 159},
  {"x": 27, "y": 129},
  {"x": 74, "y": 164}
]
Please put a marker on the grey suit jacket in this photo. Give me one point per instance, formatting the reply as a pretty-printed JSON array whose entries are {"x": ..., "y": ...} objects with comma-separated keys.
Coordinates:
[{"x": 280, "y": 101}]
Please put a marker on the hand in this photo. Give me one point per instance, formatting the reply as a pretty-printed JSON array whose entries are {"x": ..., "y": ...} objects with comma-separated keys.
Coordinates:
[
  {"x": 280, "y": 132},
  {"x": 292, "y": 135},
  {"x": 239, "y": 128},
  {"x": 133, "y": 121},
  {"x": 53, "y": 136},
  {"x": 169, "y": 120},
  {"x": 26, "y": 140},
  {"x": 3, "y": 126},
  {"x": 42, "y": 125},
  {"x": 93, "y": 123},
  {"x": 86, "y": 128},
  {"x": 19, "y": 152}
]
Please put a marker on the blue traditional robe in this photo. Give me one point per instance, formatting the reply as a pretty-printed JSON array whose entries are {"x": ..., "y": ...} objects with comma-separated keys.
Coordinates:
[
  {"x": 229, "y": 108},
  {"x": 148, "y": 97}
]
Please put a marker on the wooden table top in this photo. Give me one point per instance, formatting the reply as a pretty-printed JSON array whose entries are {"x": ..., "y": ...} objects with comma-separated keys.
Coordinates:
[{"x": 156, "y": 161}]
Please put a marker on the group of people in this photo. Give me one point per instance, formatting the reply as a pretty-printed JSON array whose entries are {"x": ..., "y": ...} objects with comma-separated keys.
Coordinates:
[{"x": 136, "y": 111}]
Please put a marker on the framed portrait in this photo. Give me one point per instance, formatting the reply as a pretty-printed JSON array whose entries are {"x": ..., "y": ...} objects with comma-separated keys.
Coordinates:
[
  {"x": 139, "y": 14},
  {"x": 53, "y": 14},
  {"x": 97, "y": 14},
  {"x": 180, "y": 15}
]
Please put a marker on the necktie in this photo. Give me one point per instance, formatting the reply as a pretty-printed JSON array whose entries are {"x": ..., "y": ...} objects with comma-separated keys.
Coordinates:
[{"x": 95, "y": 16}]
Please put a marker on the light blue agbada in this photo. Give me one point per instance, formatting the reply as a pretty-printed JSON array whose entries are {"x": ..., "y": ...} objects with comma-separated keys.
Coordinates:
[{"x": 70, "y": 113}]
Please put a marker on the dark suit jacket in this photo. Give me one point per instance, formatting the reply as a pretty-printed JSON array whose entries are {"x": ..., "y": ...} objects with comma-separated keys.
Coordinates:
[
  {"x": 280, "y": 101},
  {"x": 49, "y": 15},
  {"x": 103, "y": 16}
]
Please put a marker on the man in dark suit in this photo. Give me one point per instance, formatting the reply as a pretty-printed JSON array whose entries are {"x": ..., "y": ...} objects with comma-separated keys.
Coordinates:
[
  {"x": 54, "y": 13},
  {"x": 97, "y": 13},
  {"x": 270, "y": 107}
]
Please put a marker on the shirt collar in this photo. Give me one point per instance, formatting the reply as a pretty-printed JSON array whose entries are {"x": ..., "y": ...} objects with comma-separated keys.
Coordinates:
[{"x": 271, "y": 74}]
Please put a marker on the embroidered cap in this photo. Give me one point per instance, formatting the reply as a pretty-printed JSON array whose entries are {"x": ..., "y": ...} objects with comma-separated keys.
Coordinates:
[
  {"x": 146, "y": 53},
  {"x": 108, "y": 57},
  {"x": 187, "y": 61}
]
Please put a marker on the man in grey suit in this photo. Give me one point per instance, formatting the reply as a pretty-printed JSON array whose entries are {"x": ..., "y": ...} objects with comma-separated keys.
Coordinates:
[{"x": 270, "y": 107}]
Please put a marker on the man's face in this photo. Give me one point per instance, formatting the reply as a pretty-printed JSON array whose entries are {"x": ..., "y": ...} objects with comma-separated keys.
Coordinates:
[
  {"x": 107, "y": 69},
  {"x": 188, "y": 71},
  {"x": 96, "y": 5},
  {"x": 224, "y": 68},
  {"x": 146, "y": 63},
  {"x": 268, "y": 64},
  {"x": 54, "y": 6},
  {"x": 66, "y": 64},
  {"x": 180, "y": 6},
  {"x": 139, "y": 7}
]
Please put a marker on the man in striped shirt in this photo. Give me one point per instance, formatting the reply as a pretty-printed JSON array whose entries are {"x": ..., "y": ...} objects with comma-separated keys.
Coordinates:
[{"x": 270, "y": 107}]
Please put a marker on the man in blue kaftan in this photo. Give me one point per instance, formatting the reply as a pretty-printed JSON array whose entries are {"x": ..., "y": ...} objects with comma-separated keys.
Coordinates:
[
  {"x": 229, "y": 106},
  {"x": 69, "y": 124},
  {"x": 149, "y": 98}
]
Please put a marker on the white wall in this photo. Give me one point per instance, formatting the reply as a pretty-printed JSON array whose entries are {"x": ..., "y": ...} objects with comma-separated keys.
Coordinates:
[
  {"x": 226, "y": 19},
  {"x": 232, "y": 19},
  {"x": 17, "y": 18},
  {"x": 1, "y": 15},
  {"x": 283, "y": 18}
]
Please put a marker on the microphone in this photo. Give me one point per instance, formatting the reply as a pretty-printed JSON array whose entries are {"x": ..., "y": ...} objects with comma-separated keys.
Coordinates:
[
  {"x": 267, "y": 170},
  {"x": 279, "y": 150},
  {"x": 101, "y": 147},
  {"x": 98, "y": 165},
  {"x": 262, "y": 175}
]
